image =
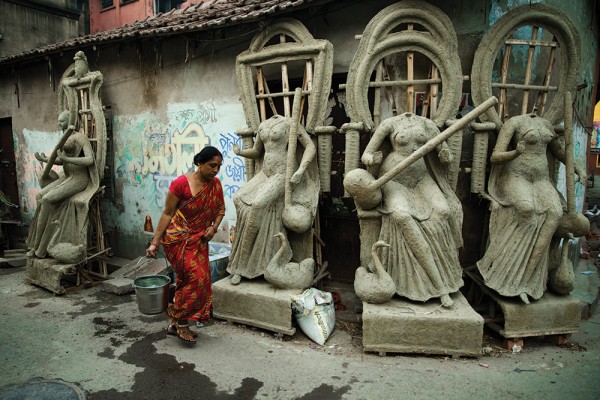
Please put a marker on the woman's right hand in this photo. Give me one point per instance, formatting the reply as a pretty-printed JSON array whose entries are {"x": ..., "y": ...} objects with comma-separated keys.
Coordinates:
[{"x": 151, "y": 250}]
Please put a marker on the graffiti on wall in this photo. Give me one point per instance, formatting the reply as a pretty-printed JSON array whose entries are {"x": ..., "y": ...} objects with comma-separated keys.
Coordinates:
[
  {"x": 235, "y": 169},
  {"x": 30, "y": 168},
  {"x": 150, "y": 153}
]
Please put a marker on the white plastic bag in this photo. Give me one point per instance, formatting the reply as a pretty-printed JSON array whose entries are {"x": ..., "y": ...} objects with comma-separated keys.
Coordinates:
[{"x": 315, "y": 314}]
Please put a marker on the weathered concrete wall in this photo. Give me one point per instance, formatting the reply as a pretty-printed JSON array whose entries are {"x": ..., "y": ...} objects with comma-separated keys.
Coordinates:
[
  {"x": 24, "y": 27},
  {"x": 163, "y": 112},
  {"x": 162, "y": 116},
  {"x": 164, "y": 107}
]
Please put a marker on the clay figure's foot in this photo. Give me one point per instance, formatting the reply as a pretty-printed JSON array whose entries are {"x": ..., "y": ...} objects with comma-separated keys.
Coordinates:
[
  {"x": 236, "y": 279},
  {"x": 446, "y": 301},
  {"x": 30, "y": 253},
  {"x": 524, "y": 298}
]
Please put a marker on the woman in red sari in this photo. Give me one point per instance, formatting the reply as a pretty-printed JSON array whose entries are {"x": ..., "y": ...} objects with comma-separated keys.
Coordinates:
[{"x": 193, "y": 211}]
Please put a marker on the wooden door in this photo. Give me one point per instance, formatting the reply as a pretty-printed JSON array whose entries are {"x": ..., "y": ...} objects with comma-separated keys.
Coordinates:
[{"x": 8, "y": 168}]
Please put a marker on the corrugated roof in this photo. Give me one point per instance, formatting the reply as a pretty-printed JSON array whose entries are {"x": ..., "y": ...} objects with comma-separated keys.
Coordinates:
[{"x": 197, "y": 17}]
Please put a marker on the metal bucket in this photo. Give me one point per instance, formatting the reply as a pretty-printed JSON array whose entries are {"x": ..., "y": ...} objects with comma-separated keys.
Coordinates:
[{"x": 152, "y": 293}]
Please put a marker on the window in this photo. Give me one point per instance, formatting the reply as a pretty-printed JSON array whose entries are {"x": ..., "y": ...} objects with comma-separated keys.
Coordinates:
[
  {"x": 105, "y": 4},
  {"x": 167, "y": 5}
]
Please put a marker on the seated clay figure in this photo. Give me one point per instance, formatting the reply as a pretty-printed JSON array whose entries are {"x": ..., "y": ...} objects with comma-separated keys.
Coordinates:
[
  {"x": 62, "y": 204},
  {"x": 526, "y": 208},
  {"x": 421, "y": 214},
  {"x": 260, "y": 202}
]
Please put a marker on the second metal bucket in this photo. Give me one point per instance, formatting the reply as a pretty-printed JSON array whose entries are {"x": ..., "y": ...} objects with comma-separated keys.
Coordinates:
[{"x": 152, "y": 293}]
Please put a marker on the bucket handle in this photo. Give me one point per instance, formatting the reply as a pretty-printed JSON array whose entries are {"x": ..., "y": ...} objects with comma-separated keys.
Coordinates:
[{"x": 138, "y": 266}]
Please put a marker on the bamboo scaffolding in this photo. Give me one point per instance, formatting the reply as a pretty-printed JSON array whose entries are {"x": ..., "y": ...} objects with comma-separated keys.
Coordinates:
[{"x": 530, "y": 51}]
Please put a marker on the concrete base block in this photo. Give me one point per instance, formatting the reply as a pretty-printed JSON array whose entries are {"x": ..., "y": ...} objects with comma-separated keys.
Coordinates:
[
  {"x": 117, "y": 286},
  {"x": 550, "y": 315},
  {"x": 256, "y": 303},
  {"x": 48, "y": 273},
  {"x": 402, "y": 326}
]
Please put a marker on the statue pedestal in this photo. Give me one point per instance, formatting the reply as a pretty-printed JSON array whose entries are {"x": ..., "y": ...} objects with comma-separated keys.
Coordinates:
[
  {"x": 550, "y": 315},
  {"x": 402, "y": 326},
  {"x": 256, "y": 303},
  {"x": 513, "y": 319},
  {"x": 48, "y": 273}
]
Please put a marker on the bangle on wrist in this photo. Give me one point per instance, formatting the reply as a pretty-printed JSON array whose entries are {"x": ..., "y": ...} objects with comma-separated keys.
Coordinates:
[{"x": 155, "y": 244}]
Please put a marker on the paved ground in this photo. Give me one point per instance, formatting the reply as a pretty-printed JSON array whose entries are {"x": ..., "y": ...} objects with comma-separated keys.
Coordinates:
[{"x": 103, "y": 343}]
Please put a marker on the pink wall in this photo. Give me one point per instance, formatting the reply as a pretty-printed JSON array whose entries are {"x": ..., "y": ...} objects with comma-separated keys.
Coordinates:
[
  {"x": 118, "y": 15},
  {"x": 122, "y": 14}
]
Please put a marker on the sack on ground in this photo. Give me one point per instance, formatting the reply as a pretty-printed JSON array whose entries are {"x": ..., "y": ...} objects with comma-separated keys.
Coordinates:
[{"x": 315, "y": 314}]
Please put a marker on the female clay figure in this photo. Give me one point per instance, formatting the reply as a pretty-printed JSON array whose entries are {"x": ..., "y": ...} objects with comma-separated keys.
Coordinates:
[
  {"x": 422, "y": 216},
  {"x": 260, "y": 202},
  {"x": 79, "y": 173},
  {"x": 526, "y": 208}
]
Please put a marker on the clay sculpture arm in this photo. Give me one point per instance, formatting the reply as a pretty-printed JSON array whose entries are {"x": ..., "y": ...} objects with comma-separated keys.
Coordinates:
[
  {"x": 372, "y": 155},
  {"x": 254, "y": 153},
  {"x": 309, "y": 154},
  {"x": 501, "y": 154}
]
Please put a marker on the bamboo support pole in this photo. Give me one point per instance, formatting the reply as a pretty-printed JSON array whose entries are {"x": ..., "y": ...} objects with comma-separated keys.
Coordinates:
[
  {"x": 547, "y": 76},
  {"x": 530, "y": 51},
  {"x": 319, "y": 244},
  {"x": 524, "y": 87},
  {"x": 391, "y": 95},
  {"x": 285, "y": 85},
  {"x": 504, "y": 73},
  {"x": 377, "y": 94},
  {"x": 410, "y": 89},
  {"x": 269, "y": 98},
  {"x": 288, "y": 94},
  {"x": 388, "y": 83},
  {"x": 535, "y": 43},
  {"x": 261, "y": 91}
]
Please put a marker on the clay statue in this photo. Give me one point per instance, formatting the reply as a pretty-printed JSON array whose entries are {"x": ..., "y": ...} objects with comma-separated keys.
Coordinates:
[
  {"x": 289, "y": 275},
  {"x": 260, "y": 204},
  {"x": 376, "y": 286},
  {"x": 61, "y": 215},
  {"x": 526, "y": 208},
  {"x": 422, "y": 217}
]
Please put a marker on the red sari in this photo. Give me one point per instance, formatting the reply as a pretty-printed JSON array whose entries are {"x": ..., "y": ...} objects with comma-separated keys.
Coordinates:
[{"x": 188, "y": 253}]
